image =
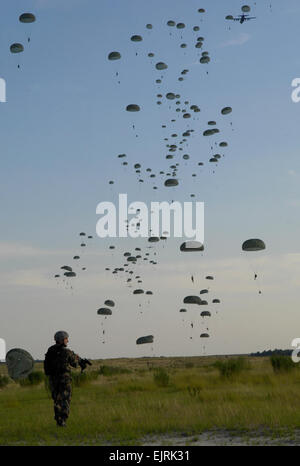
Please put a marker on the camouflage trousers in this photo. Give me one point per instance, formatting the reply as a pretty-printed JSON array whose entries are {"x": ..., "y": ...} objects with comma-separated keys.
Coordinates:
[{"x": 61, "y": 391}]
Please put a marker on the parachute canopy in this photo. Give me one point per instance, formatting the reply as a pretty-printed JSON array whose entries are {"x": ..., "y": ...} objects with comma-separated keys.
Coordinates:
[
  {"x": 114, "y": 56},
  {"x": 192, "y": 300},
  {"x": 70, "y": 274},
  {"x": 133, "y": 108},
  {"x": 226, "y": 110},
  {"x": 145, "y": 339},
  {"x": 246, "y": 9},
  {"x": 109, "y": 302},
  {"x": 16, "y": 48},
  {"x": 104, "y": 311},
  {"x": 27, "y": 18},
  {"x": 161, "y": 66},
  {"x": 253, "y": 245},
  {"x": 19, "y": 363},
  {"x": 66, "y": 267},
  {"x": 191, "y": 246},
  {"x": 171, "y": 182},
  {"x": 136, "y": 38},
  {"x": 153, "y": 239}
]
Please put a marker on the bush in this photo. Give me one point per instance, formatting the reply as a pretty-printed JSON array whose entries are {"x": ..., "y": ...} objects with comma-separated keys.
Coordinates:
[
  {"x": 232, "y": 366},
  {"x": 83, "y": 378},
  {"x": 34, "y": 378},
  {"x": 4, "y": 380},
  {"x": 161, "y": 377},
  {"x": 107, "y": 371},
  {"x": 282, "y": 363},
  {"x": 189, "y": 365}
]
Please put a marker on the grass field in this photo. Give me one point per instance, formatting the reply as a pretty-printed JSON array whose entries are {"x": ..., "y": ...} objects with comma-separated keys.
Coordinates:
[{"x": 131, "y": 399}]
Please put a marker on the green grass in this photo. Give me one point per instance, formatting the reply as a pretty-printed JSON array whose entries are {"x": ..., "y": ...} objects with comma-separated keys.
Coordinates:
[
  {"x": 35, "y": 378},
  {"x": 282, "y": 363},
  {"x": 232, "y": 367},
  {"x": 124, "y": 407}
]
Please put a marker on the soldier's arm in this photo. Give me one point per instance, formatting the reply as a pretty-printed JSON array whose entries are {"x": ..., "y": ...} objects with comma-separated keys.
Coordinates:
[{"x": 73, "y": 359}]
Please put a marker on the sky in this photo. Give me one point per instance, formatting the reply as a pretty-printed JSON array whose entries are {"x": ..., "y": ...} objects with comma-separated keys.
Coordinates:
[{"x": 64, "y": 124}]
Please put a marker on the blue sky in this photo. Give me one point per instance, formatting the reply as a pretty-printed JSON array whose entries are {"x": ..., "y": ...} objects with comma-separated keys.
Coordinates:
[{"x": 63, "y": 125}]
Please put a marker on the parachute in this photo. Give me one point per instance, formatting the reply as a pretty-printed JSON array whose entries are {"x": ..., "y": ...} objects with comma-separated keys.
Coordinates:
[
  {"x": 67, "y": 267},
  {"x": 253, "y": 245},
  {"x": 133, "y": 108},
  {"x": 145, "y": 339},
  {"x": 27, "y": 18},
  {"x": 246, "y": 9},
  {"x": 161, "y": 66},
  {"x": 209, "y": 132},
  {"x": 170, "y": 96},
  {"x": 136, "y": 38},
  {"x": 171, "y": 182},
  {"x": 70, "y": 274},
  {"x": 139, "y": 291},
  {"x": 192, "y": 300},
  {"x": 190, "y": 246},
  {"x": 153, "y": 239},
  {"x": 16, "y": 48},
  {"x": 226, "y": 110},
  {"x": 204, "y": 59},
  {"x": 109, "y": 302},
  {"x": 114, "y": 56},
  {"x": 104, "y": 311},
  {"x": 19, "y": 363}
]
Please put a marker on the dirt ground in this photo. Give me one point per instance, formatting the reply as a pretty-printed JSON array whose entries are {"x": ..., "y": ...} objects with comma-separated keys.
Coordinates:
[{"x": 223, "y": 438}]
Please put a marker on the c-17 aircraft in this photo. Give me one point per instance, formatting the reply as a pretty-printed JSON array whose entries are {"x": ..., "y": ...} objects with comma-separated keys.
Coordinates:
[{"x": 243, "y": 18}]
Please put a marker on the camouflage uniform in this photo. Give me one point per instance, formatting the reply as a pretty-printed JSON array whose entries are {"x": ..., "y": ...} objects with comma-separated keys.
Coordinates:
[{"x": 57, "y": 366}]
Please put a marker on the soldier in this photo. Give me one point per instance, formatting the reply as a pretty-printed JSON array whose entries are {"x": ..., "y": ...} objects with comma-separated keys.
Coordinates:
[{"x": 58, "y": 360}]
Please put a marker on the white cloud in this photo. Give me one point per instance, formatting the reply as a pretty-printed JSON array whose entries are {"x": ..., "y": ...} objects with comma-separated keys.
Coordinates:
[
  {"x": 241, "y": 40},
  {"x": 24, "y": 250}
]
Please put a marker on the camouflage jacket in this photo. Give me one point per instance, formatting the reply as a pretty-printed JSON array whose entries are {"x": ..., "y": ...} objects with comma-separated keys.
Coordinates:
[{"x": 59, "y": 360}]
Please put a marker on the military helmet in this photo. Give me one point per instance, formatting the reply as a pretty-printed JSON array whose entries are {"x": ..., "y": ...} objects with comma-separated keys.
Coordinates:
[{"x": 60, "y": 335}]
